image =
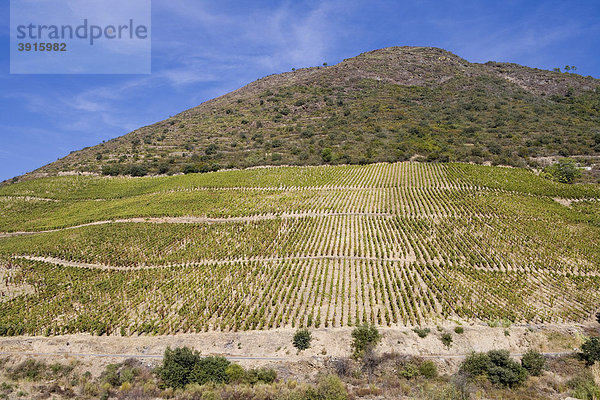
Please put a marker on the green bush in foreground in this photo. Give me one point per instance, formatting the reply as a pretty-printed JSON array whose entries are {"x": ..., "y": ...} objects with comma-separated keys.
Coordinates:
[
  {"x": 183, "y": 366},
  {"x": 330, "y": 387},
  {"x": 210, "y": 369},
  {"x": 564, "y": 170},
  {"x": 591, "y": 350},
  {"x": 497, "y": 365},
  {"x": 302, "y": 339},
  {"x": 177, "y": 366},
  {"x": 364, "y": 337},
  {"x": 428, "y": 369},
  {"x": 534, "y": 362}
]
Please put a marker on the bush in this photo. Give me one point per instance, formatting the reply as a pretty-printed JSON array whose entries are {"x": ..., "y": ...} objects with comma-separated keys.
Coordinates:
[
  {"x": 497, "y": 365},
  {"x": 112, "y": 170},
  {"x": 459, "y": 329},
  {"x": 326, "y": 155},
  {"x": 428, "y": 369},
  {"x": 261, "y": 375},
  {"x": 341, "y": 366},
  {"x": 564, "y": 170},
  {"x": 210, "y": 369},
  {"x": 446, "y": 339},
  {"x": 422, "y": 332},
  {"x": 591, "y": 350},
  {"x": 302, "y": 339},
  {"x": 534, "y": 362},
  {"x": 190, "y": 169},
  {"x": 330, "y": 387},
  {"x": 364, "y": 336},
  {"x": 30, "y": 370},
  {"x": 476, "y": 364},
  {"x": 135, "y": 170},
  {"x": 236, "y": 374},
  {"x": 584, "y": 387},
  {"x": 409, "y": 371},
  {"x": 177, "y": 366}
]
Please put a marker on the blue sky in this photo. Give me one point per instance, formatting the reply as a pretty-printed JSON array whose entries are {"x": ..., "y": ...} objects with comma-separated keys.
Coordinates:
[{"x": 203, "y": 49}]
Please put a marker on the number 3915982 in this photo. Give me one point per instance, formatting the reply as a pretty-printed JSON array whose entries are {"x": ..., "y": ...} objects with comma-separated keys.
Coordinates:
[{"x": 42, "y": 47}]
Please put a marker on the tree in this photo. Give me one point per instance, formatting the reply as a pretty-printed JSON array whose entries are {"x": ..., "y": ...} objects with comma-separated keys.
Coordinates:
[
  {"x": 564, "y": 170},
  {"x": 591, "y": 350},
  {"x": 364, "y": 337},
  {"x": 302, "y": 339},
  {"x": 534, "y": 362}
]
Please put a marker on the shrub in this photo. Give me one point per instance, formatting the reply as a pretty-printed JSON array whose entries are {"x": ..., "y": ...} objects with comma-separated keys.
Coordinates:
[
  {"x": 476, "y": 364},
  {"x": 330, "y": 387},
  {"x": 261, "y": 375},
  {"x": 190, "y": 169},
  {"x": 236, "y": 374},
  {"x": 112, "y": 170},
  {"x": 136, "y": 170},
  {"x": 598, "y": 317},
  {"x": 341, "y": 366},
  {"x": 591, "y": 350},
  {"x": 459, "y": 329},
  {"x": 446, "y": 339},
  {"x": 177, "y": 366},
  {"x": 534, "y": 362},
  {"x": 584, "y": 387},
  {"x": 302, "y": 339},
  {"x": 326, "y": 155},
  {"x": 364, "y": 336},
  {"x": 210, "y": 369},
  {"x": 30, "y": 370},
  {"x": 564, "y": 170},
  {"x": 409, "y": 371},
  {"x": 428, "y": 369},
  {"x": 497, "y": 365},
  {"x": 422, "y": 332}
]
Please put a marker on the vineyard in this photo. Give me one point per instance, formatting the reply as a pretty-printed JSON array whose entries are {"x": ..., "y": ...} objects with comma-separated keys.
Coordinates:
[{"x": 401, "y": 244}]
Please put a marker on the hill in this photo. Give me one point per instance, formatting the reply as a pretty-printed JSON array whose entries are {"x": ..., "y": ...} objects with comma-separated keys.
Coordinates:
[
  {"x": 400, "y": 244},
  {"x": 386, "y": 105}
]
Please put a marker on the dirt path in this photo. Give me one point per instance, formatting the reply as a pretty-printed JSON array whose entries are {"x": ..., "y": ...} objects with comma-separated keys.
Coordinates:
[
  {"x": 205, "y": 220},
  {"x": 77, "y": 264}
]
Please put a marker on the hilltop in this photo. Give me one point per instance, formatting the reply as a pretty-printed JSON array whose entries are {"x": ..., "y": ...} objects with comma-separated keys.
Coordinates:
[{"x": 386, "y": 105}]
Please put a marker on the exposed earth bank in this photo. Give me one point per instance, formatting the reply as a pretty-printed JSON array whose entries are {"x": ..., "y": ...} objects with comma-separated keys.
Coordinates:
[{"x": 274, "y": 348}]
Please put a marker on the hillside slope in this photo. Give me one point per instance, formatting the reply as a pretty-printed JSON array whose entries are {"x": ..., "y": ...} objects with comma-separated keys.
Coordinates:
[
  {"x": 400, "y": 244},
  {"x": 387, "y": 105}
]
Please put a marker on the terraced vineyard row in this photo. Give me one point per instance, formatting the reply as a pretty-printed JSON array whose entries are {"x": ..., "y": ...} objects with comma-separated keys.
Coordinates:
[
  {"x": 264, "y": 295},
  {"x": 394, "y": 244}
]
